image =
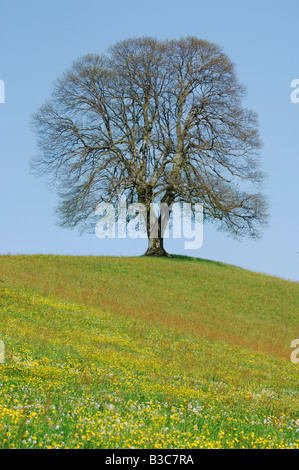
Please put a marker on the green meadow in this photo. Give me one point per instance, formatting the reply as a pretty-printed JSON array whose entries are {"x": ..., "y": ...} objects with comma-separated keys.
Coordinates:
[{"x": 107, "y": 352}]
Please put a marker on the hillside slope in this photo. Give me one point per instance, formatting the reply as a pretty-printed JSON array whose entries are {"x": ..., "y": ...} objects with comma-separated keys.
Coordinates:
[
  {"x": 137, "y": 352},
  {"x": 207, "y": 298}
]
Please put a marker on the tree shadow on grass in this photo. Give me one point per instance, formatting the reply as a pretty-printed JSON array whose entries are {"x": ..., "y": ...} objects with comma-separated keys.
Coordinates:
[{"x": 199, "y": 260}]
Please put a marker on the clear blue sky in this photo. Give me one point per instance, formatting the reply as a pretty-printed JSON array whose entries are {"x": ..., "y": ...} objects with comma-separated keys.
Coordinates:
[{"x": 39, "y": 39}]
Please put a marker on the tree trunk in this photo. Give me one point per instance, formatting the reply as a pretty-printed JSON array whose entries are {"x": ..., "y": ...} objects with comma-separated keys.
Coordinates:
[
  {"x": 155, "y": 239},
  {"x": 156, "y": 248}
]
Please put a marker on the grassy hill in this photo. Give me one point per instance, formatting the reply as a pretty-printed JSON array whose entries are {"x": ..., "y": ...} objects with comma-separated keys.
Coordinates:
[{"x": 146, "y": 353}]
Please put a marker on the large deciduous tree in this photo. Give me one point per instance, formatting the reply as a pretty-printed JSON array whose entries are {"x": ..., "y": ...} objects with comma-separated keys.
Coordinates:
[{"x": 156, "y": 121}]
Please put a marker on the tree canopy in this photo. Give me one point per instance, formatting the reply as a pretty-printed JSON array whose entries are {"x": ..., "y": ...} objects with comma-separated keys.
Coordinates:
[{"x": 156, "y": 121}]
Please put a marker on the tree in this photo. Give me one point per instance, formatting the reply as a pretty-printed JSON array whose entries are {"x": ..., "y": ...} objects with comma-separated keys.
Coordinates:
[{"x": 156, "y": 121}]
